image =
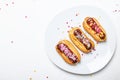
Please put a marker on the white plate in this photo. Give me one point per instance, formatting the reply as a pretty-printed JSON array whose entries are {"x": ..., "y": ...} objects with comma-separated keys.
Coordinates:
[{"x": 57, "y": 30}]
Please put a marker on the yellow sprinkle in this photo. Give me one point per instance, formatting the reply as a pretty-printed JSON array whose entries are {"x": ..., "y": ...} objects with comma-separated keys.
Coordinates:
[
  {"x": 30, "y": 78},
  {"x": 35, "y": 71}
]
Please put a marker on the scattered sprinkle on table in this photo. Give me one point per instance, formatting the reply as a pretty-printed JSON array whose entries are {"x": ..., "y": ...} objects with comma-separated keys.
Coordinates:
[
  {"x": 77, "y": 14},
  {"x": 66, "y": 22},
  {"x": 6, "y": 4},
  {"x": 12, "y": 2},
  {"x": 34, "y": 71},
  {"x": 82, "y": 54},
  {"x": 30, "y": 78},
  {"x": 79, "y": 25},
  {"x": 11, "y": 41},
  {"x": 68, "y": 26},
  {"x": 26, "y": 16},
  {"x": 46, "y": 76}
]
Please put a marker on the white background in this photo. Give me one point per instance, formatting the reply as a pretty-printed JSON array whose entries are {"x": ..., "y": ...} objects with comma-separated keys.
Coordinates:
[{"x": 22, "y": 53}]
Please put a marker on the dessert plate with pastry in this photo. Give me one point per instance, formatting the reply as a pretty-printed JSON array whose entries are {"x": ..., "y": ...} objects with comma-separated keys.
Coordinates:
[{"x": 81, "y": 40}]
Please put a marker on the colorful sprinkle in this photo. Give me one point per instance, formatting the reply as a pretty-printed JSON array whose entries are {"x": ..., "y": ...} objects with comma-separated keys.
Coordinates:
[
  {"x": 46, "y": 76},
  {"x": 77, "y": 14},
  {"x": 79, "y": 25},
  {"x": 66, "y": 22},
  {"x": 11, "y": 41},
  {"x": 26, "y": 16},
  {"x": 12, "y": 2},
  {"x": 68, "y": 26},
  {"x": 82, "y": 54},
  {"x": 30, "y": 78},
  {"x": 6, "y": 4},
  {"x": 34, "y": 71}
]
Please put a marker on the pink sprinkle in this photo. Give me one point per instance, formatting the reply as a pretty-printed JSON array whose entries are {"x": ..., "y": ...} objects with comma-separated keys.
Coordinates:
[
  {"x": 11, "y": 41},
  {"x": 79, "y": 25},
  {"x": 94, "y": 49},
  {"x": 66, "y": 22},
  {"x": 68, "y": 26},
  {"x": 12, "y": 2},
  {"x": 115, "y": 10},
  {"x": 6, "y": 4},
  {"x": 77, "y": 14},
  {"x": 26, "y": 17},
  {"x": 46, "y": 76}
]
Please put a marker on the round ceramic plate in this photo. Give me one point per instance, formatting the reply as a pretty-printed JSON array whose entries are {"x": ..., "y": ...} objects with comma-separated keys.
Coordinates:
[{"x": 58, "y": 30}]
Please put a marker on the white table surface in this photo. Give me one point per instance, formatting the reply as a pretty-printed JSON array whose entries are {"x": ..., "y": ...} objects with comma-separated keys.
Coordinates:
[{"x": 22, "y": 32}]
